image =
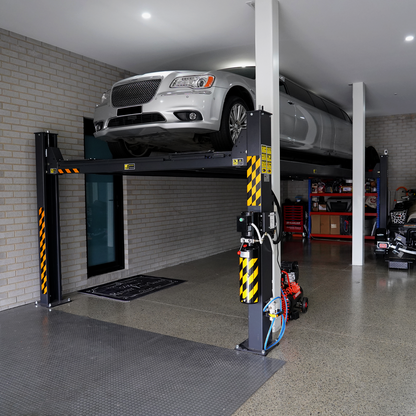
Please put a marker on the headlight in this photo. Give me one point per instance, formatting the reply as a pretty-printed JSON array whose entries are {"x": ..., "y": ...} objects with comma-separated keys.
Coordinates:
[
  {"x": 105, "y": 97},
  {"x": 193, "y": 81}
]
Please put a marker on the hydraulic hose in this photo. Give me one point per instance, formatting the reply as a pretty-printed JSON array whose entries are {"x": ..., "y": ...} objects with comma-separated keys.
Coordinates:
[
  {"x": 283, "y": 325},
  {"x": 279, "y": 236}
]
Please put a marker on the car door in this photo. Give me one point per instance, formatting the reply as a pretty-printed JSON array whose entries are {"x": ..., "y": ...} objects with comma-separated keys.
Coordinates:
[
  {"x": 308, "y": 130},
  {"x": 287, "y": 119}
]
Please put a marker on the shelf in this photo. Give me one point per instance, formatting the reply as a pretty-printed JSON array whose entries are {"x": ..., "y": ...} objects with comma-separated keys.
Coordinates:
[
  {"x": 330, "y": 213},
  {"x": 331, "y": 194},
  {"x": 367, "y": 214},
  {"x": 344, "y": 194},
  {"x": 367, "y": 237},
  {"x": 346, "y": 217}
]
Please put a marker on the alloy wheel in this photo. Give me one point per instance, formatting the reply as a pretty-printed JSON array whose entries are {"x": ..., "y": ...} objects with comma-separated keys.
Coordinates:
[{"x": 237, "y": 121}]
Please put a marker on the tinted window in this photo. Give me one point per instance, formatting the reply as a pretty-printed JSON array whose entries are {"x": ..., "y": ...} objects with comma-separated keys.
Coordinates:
[
  {"x": 248, "y": 71},
  {"x": 282, "y": 87},
  {"x": 298, "y": 92},
  {"x": 318, "y": 102},
  {"x": 334, "y": 110},
  {"x": 346, "y": 116}
]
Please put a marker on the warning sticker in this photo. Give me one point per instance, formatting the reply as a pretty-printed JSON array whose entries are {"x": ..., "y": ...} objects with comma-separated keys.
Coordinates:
[
  {"x": 130, "y": 166},
  {"x": 238, "y": 162},
  {"x": 266, "y": 159}
]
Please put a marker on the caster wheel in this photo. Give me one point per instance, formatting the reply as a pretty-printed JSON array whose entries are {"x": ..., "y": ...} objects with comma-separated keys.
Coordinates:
[{"x": 305, "y": 305}]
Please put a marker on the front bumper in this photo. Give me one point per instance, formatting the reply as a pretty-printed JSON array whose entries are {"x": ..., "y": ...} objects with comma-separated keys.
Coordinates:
[{"x": 157, "y": 117}]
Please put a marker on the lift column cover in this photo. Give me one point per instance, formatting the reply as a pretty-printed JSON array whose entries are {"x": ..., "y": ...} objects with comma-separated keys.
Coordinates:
[
  {"x": 259, "y": 205},
  {"x": 48, "y": 220}
]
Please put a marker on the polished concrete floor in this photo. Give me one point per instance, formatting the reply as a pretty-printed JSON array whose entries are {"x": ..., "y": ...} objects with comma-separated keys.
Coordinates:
[{"x": 352, "y": 353}]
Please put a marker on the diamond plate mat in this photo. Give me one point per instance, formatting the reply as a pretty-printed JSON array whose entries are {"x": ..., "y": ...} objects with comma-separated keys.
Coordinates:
[{"x": 55, "y": 363}]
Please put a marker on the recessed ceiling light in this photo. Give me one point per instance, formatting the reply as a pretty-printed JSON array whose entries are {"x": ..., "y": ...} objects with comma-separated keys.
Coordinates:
[
  {"x": 409, "y": 38},
  {"x": 146, "y": 15}
]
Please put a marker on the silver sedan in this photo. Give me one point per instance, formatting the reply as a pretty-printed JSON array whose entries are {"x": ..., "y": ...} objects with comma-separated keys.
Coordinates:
[{"x": 191, "y": 110}]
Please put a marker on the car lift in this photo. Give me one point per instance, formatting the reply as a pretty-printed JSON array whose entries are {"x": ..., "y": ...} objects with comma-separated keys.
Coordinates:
[{"x": 50, "y": 165}]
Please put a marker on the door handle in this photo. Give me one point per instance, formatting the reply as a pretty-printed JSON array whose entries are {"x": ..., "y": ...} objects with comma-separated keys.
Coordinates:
[{"x": 290, "y": 102}]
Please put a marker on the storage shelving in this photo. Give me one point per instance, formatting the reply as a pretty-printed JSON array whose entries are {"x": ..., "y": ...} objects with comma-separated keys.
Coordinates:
[{"x": 335, "y": 216}]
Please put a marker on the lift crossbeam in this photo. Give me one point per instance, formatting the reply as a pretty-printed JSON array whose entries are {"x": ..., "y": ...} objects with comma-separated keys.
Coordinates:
[{"x": 231, "y": 162}]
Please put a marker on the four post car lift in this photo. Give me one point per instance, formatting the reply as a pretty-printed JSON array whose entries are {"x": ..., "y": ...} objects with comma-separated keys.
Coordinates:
[{"x": 250, "y": 157}]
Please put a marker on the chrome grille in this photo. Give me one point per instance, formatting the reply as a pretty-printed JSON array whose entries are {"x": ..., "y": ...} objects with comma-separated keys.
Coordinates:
[{"x": 135, "y": 93}]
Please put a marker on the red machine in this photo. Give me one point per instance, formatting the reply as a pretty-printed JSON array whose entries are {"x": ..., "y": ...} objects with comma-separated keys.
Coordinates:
[{"x": 295, "y": 302}]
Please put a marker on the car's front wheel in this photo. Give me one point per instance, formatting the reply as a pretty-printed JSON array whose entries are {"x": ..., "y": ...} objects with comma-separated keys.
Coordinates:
[
  {"x": 121, "y": 149},
  {"x": 233, "y": 120}
]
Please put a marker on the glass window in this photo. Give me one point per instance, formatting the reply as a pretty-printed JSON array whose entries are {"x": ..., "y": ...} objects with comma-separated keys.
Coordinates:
[
  {"x": 282, "y": 87},
  {"x": 298, "y": 92},
  {"x": 318, "y": 102},
  {"x": 334, "y": 110},
  {"x": 104, "y": 211},
  {"x": 246, "y": 71}
]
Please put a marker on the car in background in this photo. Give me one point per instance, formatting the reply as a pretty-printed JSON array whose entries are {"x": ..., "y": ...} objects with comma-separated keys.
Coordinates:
[{"x": 196, "y": 110}]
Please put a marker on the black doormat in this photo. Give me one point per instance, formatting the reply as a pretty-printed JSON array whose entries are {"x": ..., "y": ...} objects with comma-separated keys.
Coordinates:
[{"x": 132, "y": 287}]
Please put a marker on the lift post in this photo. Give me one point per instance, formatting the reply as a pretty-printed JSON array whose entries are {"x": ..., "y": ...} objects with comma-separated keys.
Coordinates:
[
  {"x": 49, "y": 229},
  {"x": 255, "y": 258}
]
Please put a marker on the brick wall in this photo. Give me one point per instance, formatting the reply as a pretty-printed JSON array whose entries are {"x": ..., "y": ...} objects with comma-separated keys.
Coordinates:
[
  {"x": 397, "y": 134},
  {"x": 41, "y": 88},
  {"x": 46, "y": 88},
  {"x": 290, "y": 189}
]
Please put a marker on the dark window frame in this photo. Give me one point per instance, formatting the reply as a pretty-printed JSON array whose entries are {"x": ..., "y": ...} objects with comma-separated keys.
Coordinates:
[{"x": 118, "y": 264}]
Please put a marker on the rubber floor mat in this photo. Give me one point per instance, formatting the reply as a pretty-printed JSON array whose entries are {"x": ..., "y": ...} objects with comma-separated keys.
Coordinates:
[
  {"x": 132, "y": 287},
  {"x": 56, "y": 363}
]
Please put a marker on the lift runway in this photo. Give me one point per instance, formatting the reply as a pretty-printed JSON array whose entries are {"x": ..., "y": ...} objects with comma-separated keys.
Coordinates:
[{"x": 56, "y": 363}]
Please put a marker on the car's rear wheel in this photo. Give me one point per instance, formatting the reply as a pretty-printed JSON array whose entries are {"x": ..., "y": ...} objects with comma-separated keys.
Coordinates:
[
  {"x": 121, "y": 149},
  {"x": 233, "y": 120}
]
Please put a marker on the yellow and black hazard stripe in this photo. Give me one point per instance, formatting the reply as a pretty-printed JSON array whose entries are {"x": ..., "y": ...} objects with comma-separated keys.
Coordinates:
[
  {"x": 42, "y": 243},
  {"x": 72, "y": 170},
  {"x": 249, "y": 280},
  {"x": 253, "y": 181}
]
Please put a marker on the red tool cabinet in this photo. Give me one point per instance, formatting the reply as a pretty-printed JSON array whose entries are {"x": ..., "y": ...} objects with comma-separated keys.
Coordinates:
[{"x": 293, "y": 218}]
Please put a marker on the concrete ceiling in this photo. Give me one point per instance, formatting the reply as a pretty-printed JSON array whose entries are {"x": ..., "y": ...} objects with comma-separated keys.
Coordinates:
[{"x": 325, "y": 45}]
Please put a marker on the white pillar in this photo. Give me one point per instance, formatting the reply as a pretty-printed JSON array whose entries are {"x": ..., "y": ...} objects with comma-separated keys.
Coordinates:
[
  {"x": 267, "y": 90},
  {"x": 358, "y": 171}
]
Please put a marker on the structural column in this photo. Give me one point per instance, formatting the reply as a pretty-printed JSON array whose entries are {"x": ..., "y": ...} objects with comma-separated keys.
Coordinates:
[
  {"x": 267, "y": 91},
  {"x": 48, "y": 217},
  {"x": 358, "y": 170}
]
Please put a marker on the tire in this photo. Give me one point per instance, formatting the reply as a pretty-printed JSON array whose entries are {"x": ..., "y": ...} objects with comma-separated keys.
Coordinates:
[
  {"x": 233, "y": 120},
  {"x": 121, "y": 149}
]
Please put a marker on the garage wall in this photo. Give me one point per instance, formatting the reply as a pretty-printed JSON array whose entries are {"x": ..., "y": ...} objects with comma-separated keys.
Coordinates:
[
  {"x": 174, "y": 220},
  {"x": 46, "y": 88},
  {"x": 41, "y": 88},
  {"x": 397, "y": 134},
  {"x": 290, "y": 189}
]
